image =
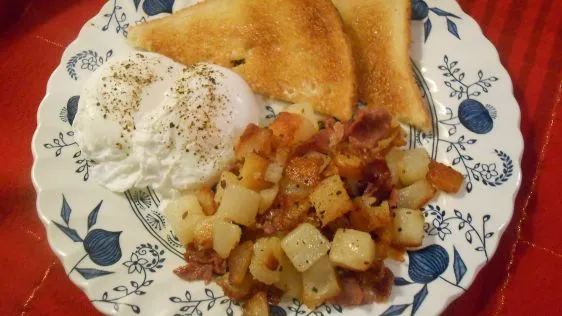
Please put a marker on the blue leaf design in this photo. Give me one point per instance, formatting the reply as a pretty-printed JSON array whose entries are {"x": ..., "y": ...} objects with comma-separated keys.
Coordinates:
[
  {"x": 401, "y": 281},
  {"x": 71, "y": 233},
  {"x": 93, "y": 216},
  {"x": 418, "y": 299},
  {"x": 427, "y": 264},
  {"x": 394, "y": 310},
  {"x": 71, "y": 108},
  {"x": 441, "y": 12},
  {"x": 426, "y": 29},
  {"x": 92, "y": 273},
  {"x": 137, "y": 2},
  {"x": 458, "y": 266},
  {"x": 103, "y": 247},
  {"x": 452, "y": 27},
  {"x": 154, "y": 7},
  {"x": 65, "y": 210}
]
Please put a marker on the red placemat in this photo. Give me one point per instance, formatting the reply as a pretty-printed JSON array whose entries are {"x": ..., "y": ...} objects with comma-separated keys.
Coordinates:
[{"x": 523, "y": 277}]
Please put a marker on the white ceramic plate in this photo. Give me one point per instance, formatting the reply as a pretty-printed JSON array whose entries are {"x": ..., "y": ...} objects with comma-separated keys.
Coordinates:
[{"x": 121, "y": 251}]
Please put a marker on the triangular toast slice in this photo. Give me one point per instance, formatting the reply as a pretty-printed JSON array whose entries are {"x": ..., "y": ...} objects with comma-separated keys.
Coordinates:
[
  {"x": 379, "y": 31},
  {"x": 292, "y": 50}
]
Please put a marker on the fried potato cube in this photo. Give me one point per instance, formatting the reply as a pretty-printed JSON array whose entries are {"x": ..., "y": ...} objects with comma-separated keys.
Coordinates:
[
  {"x": 291, "y": 129},
  {"x": 203, "y": 232},
  {"x": 290, "y": 281},
  {"x": 414, "y": 165},
  {"x": 253, "y": 172},
  {"x": 239, "y": 205},
  {"x": 267, "y": 197},
  {"x": 225, "y": 237},
  {"x": 304, "y": 245},
  {"x": 305, "y": 170},
  {"x": 320, "y": 282},
  {"x": 254, "y": 140},
  {"x": 306, "y": 110},
  {"x": 416, "y": 195},
  {"x": 274, "y": 172},
  {"x": 206, "y": 198},
  {"x": 265, "y": 265},
  {"x": 227, "y": 179},
  {"x": 394, "y": 163},
  {"x": 257, "y": 305},
  {"x": 293, "y": 189},
  {"x": 349, "y": 165},
  {"x": 352, "y": 249},
  {"x": 183, "y": 214},
  {"x": 330, "y": 199},
  {"x": 236, "y": 291},
  {"x": 367, "y": 216},
  {"x": 239, "y": 262},
  {"x": 444, "y": 178},
  {"x": 407, "y": 227}
]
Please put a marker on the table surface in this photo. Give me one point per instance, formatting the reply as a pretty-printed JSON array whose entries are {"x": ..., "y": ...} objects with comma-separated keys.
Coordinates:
[{"x": 523, "y": 278}]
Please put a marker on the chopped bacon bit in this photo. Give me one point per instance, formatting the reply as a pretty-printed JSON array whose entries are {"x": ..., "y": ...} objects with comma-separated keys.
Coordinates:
[
  {"x": 368, "y": 127},
  {"x": 201, "y": 264},
  {"x": 351, "y": 293}
]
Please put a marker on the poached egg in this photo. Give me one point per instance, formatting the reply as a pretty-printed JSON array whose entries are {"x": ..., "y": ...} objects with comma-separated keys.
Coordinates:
[{"x": 147, "y": 120}]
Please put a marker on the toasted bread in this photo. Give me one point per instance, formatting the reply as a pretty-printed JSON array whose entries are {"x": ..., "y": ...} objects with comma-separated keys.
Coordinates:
[
  {"x": 379, "y": 31},
  {"x": 292, "y": 50}
]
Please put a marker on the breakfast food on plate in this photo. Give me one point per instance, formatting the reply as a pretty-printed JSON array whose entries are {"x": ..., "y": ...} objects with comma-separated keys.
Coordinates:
[
  {"x": 144, "y": 119},
  {"x": 379, "y": 32},
  {"x": 292, "y": 50},
  {"x": 310, "y": 212}
]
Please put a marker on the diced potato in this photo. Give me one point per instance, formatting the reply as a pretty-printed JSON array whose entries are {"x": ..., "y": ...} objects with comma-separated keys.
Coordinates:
[
  {"x": 330, "y": 170},
  {"x": 253, "y": 172},
  {"x": 293, "y": 189},
  {"x": 239, "y": 205},
  {"x": 236, "y": 291},
  {"x": 206, "y": 198},
  {"x": 305, "y": 170},
  {"x": 203, "y": 232},
  {"x": 291, "y": 280},
  {"x": 330, "y": 199},
  {"x": 227, "y": 179},
  {"x": 183, "y": 214},
  {"x": 407, "y": 228},
  {"x": 267, "y": 197},
  {"x": 255, "y": 140},
  {"x": 282, "y": 155},
  {"x": 274, "y": 172},
  {"x": 265, "y": 265},
  {"x": 352, "y": 249},
  {"x": 225, "y": 237},
  {"x": 414, "y": 166},
  {"x": 416, "y": 195},
  {"x": 320, "y": 283},
  {"x": 257, "y": 306},
  {"x": 294, "y": 212},
  {"x": 444, "y": 178},
  {"x": 304, "y": 245},
  {"x": 349, "y": 166},
  {"x": 306, "y": 110},
  {"x": 239, "y": 262},
  {"x": 394, "y": 163},
  {"x": 367, "y": 216},
  {"x": 291, "y": 129}
]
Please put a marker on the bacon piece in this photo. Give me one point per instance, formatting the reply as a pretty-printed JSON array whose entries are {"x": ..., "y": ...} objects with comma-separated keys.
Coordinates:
[
  {"x": 351, "y": 293},
  {"x": 368, "y": 127},
  {"x": 201, "y": 264},
  {"x": 379, "y": 179},
  {"x": 325, "y": 140}
]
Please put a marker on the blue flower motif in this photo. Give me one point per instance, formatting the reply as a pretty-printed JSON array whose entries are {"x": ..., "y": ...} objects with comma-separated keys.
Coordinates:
[
  {"x": 489, "y": 171},
  {"x": 440, "y": 229},
  {"x": 427, "y": 264},
  {"x": 135, "y": 264},
  {"x": 103, "y": 247},
  {"x": 89, "y": 63}
]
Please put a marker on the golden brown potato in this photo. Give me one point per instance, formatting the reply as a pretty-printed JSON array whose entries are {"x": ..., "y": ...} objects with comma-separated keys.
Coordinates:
[
  {"x": 206, "y": 198},
  {"x": 304, "y": 245},
  {"x": 305, "y": 170},
  {"x": 265, "y": 264},
  {"x": 239, "y": 205},
  {"x": 330, "y": 199},
  {"x": 256, "y": 306},
  {"x": 203, "y": 233},
  {"x": 255, "y": 140},
  {"x": 239, "y": 261},
  {"x": 367, "y": 216},
  {"x": 408, "y": 227},
  {"x": 267, "y": 197},
  {"x": 416, "y": 195},
  {"x": 320, "y": 283},
  {"x": 290, "y": 281},
  {"x": 349, "y": 166},
  {"x": 444, "y": 178},
  {"x": 236, "y": 291},
  {"x": 225, "y": 237},
  {"x": 253, "y": 172},
  {"x": 227, "y": 179},
  {"x": 414, "y": 165},
  {"x": 293, "y": 213},
  {"x": 293, "y": 189},
  {"x": 291, "y": 129}
]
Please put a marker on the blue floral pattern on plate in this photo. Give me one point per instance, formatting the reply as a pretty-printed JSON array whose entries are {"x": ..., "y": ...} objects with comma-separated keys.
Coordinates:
[{"x": 119, "y": 249}]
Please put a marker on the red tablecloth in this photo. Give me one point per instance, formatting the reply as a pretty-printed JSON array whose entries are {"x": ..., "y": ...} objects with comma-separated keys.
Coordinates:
[{"x": 523, "y": 278}]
